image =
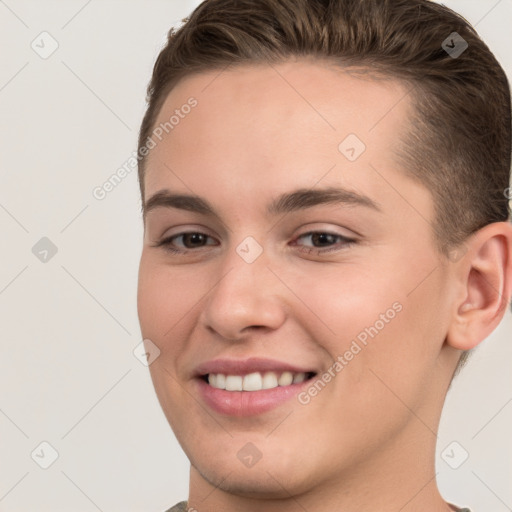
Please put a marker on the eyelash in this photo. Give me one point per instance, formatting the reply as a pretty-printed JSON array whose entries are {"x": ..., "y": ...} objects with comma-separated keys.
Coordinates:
[{"x": 347, "y": 242}]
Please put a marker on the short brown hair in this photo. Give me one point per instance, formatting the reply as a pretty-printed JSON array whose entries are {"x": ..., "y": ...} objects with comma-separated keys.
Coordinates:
[{"x": 459, "y": 141}]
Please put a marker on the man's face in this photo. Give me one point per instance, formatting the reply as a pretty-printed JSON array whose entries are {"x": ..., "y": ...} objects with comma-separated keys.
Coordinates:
[{"x": 255, "y": 283}]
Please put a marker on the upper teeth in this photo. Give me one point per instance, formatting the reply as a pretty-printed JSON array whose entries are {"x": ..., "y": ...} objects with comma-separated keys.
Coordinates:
[{"x": 254, "y": 381}]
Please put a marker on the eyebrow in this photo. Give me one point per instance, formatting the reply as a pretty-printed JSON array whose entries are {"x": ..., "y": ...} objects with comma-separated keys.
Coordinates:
[{"x": 286, "y": 203}]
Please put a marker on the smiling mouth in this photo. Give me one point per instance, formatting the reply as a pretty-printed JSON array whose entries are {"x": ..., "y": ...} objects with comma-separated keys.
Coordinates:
[{"x": 256, "y": 381}]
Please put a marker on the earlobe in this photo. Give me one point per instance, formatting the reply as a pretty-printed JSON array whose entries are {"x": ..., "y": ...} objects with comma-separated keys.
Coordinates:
[{"x": 486, "y": 284}]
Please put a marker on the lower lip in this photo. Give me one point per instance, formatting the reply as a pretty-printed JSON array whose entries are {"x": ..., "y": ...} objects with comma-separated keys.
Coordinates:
[{"x": 247, "y": 403}]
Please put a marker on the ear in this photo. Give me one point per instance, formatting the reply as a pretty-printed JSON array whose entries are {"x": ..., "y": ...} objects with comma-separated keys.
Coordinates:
[{"x": 485, "y": 277}]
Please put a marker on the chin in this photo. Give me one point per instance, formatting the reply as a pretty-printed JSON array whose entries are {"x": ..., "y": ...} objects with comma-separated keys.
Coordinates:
[{"x": 263, "y": 483}]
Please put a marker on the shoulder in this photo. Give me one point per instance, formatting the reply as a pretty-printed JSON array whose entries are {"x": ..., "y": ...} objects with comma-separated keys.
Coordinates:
[{"x": 179, "y": 507}]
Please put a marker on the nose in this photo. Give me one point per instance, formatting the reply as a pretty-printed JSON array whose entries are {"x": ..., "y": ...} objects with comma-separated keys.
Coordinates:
[{"x": 245, "y": 297}]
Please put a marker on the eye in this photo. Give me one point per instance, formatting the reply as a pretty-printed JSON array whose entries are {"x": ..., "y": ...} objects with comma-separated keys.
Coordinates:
[
  {"x": 323, "y": 241},
  {"x": 190, "y": 240}
]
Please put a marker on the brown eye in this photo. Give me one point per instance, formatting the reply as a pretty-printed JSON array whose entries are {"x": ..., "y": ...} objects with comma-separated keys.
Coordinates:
[
  {"x": 324, "y": 239},
  {"x": 193, "y": 240},
  {"x": 184, "y": 242}
]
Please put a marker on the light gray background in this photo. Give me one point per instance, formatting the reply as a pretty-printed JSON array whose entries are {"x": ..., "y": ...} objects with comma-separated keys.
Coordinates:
[{"x": 68, "y": 375}]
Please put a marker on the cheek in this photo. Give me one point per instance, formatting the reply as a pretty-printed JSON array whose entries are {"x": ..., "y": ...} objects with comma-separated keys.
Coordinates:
[
  {"x": 392, "y": 374},
  {"x": 163, "y": 301},
  {"x": 379, "y": 328},
  {"x": 164, "y": 298},
  {"x": 346, "y": 301}
]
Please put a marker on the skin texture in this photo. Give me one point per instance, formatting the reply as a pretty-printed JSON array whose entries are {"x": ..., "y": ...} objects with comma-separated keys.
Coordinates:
[{"x": 367, "y": 440}]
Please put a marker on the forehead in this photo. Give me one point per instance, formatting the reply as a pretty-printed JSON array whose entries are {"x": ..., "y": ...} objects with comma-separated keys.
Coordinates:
[{"x": 275, "y": 124}]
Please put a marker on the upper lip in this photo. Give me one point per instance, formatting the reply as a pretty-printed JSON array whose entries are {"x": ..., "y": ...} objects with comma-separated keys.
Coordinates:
[{"x": 246, "y": 366}]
